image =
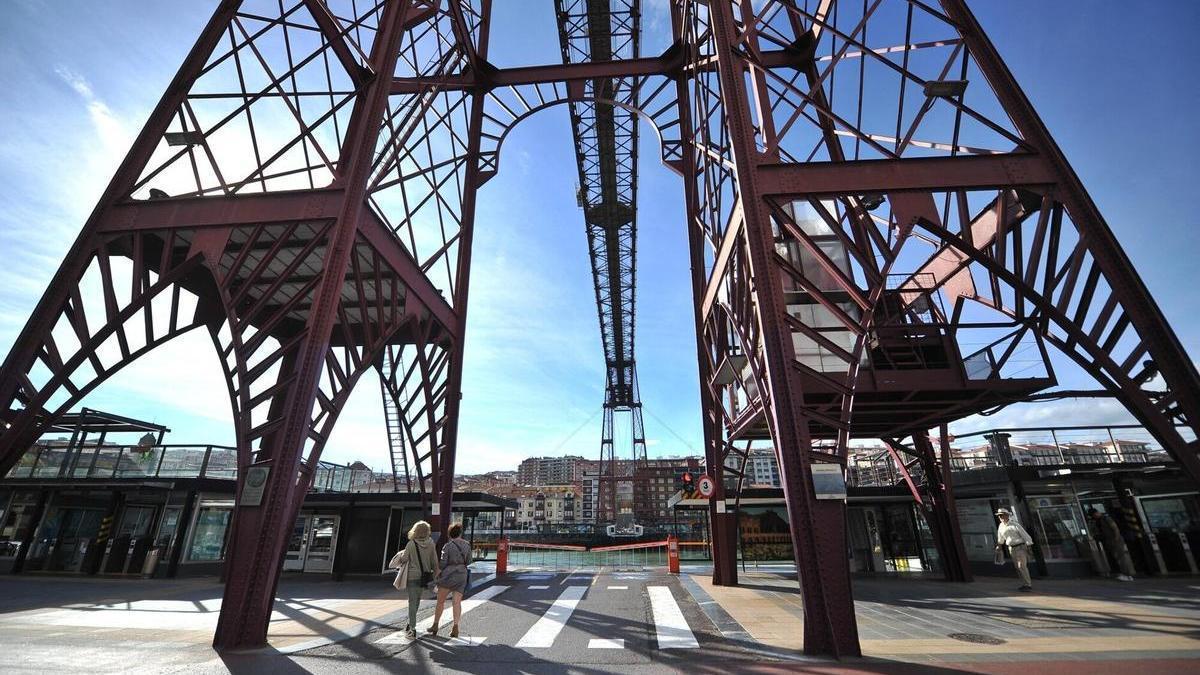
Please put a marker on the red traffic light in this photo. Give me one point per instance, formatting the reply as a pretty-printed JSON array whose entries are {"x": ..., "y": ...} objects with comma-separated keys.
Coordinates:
[{"x": 687, "y": 477}]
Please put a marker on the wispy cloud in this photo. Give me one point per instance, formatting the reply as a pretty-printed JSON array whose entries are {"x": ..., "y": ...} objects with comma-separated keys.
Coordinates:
[{"x": 113, "y": 134}]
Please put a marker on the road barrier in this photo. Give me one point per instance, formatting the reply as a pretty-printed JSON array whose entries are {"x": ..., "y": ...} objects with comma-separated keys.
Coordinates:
[{"x": 567, "y": 557}]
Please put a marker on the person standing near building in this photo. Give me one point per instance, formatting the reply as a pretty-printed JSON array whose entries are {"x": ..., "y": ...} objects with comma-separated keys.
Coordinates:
[
  {"x": 1011, "y": 534},
  {"x": 1114, "y": 543},
  {"x": 417, "y": 566},
  {"x": 452, "y": 580}
]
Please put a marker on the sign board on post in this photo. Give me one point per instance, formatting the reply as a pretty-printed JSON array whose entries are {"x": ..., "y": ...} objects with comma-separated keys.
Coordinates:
[
  {"x": 705, "y": 486},
  {"x": 437, "y": 509},
  {"x": 828, "y": 481},
  {"x": 256, "y": 484}
]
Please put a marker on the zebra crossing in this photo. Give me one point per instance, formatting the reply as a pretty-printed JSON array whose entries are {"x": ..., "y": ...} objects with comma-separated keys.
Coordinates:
[{"x": 545, "y": 612}]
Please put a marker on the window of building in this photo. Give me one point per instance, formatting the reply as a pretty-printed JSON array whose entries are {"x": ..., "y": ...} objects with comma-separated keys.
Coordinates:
[
  {"x": 1059, "y": 526},
  {"x": 208, "y": 536}
]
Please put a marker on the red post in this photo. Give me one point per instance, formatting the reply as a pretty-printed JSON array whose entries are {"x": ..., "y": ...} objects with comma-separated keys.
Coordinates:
[
  {"x": 502, "y": 556},
  {"x": 673, "y": 554}
]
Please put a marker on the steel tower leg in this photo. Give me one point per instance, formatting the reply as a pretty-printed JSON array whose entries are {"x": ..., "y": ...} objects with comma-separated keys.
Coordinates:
[
  {"x": 817, "y": 526},
  {"x": 940, "y": 511},
  {"x": 606, "y": 508},
  {"x": 259, "y": 540},
  {"x": 723, "y": 539}
]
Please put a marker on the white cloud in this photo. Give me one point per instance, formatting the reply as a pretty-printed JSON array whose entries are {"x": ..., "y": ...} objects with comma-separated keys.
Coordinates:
[
  {"x": 1073, "y": 412},
  {"x": 113, "y": 135}
]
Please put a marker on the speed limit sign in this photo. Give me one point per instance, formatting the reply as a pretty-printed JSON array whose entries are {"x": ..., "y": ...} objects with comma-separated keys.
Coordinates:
[{"x": 705, "y": 486}]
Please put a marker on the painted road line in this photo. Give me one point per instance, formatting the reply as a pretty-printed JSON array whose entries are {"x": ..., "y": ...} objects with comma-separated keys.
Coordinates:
[
  {"x": 468, "y": 604},
  {"x": 604, "y": 643},
  {"x": 672, "y": 628},
  {"x": 618, "y": 588},
  {"x": 472, "y": 641},
  {"x": 538, "y": 588},
  {"x": 547, "y": 628}
]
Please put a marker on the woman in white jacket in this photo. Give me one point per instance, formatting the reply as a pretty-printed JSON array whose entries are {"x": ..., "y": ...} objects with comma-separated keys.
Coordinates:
[{"x": 418, "y": 556}]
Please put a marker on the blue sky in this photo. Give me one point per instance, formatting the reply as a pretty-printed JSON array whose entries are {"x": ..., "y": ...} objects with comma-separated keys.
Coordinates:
[{"x": 79, "y": 78}]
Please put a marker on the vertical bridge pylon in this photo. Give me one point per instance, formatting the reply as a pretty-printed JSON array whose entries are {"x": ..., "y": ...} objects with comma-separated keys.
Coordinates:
[{"x": 606, "y": 152}]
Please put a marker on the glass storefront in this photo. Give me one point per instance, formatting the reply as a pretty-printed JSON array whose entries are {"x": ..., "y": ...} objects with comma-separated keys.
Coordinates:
[
  {"x": 17, "y": 521},
  {"x": 63, "y": 538},
  {"x": 136, "y": 521},
  {"x": 978, "y": 523},
  {"x": 1174, "y": 522},
  {"x": 208, "y": 536},
  {"x": 1176, "y": 512},
  {"x": 1059, "y": 527},
  {"x": 764, "y": 534},
  {"x": 166, "y": 529}
]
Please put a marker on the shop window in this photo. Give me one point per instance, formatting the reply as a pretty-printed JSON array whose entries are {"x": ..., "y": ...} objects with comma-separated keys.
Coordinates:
[
  {"x": 17, "y": 522},
  {"x": 1172, "y": 513},
  {"x": 208, "y": 537},
  {"x": 136, "y": 521},
  {"x": 166, "y": 529},
  {"x": 1060, "y": 528}
]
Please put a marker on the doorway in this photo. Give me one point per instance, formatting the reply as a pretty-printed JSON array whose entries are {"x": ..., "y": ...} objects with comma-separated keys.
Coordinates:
[
  {"x": 62, "y": 540},
  {"x": 322, "y": 544},
  {"x": 313, "y": 544}
]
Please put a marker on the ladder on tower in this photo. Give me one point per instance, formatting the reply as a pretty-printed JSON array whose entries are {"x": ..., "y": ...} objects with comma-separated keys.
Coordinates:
[{"x": 401, "y": 477}]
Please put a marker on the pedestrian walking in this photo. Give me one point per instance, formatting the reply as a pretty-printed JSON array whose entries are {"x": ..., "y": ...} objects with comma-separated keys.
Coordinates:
[
  {"x": 416, "y": 567},
  {"x": 1011, "y": 534},
  {"x": 1114, "y": 543},
  {"x": 452, "y": 580}
]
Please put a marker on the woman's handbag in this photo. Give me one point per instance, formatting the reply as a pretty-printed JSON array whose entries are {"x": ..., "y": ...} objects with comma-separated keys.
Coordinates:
[
  {"x": 400, "y": 563},
  {"x": 426, "y": 577}
]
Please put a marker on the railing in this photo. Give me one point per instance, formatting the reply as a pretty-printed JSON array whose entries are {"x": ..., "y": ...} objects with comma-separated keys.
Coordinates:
[
  {"x": 336, "y": 478},
  {"x": 163, "y": 461},
  {"x": 565, "y": 557},
  {"x": 1018, "y": 353},
  {"x": 127, "y": 461},
  {"x": 1048, "y": 446}
]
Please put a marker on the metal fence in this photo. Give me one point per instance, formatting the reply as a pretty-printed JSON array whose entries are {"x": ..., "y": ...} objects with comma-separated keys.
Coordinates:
[
  {"x": 1003, "y": 448},
  {"x": 165, "y": 461}
]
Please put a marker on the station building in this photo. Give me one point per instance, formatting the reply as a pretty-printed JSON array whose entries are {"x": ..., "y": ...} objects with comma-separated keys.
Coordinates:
[
  {"x": 1051, "y": 478},
  {"x": 109, "y": 497}
]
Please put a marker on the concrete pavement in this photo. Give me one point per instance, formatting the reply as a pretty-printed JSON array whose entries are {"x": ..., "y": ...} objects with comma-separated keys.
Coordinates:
[{"x": 608, "y": 621}]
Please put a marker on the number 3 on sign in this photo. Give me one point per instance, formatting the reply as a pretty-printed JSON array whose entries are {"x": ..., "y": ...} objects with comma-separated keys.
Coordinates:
[{"x": 706, "y": 486}]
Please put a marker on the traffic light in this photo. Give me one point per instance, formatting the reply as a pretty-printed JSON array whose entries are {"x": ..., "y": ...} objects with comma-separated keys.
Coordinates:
[{"x": 687, "y": 483}]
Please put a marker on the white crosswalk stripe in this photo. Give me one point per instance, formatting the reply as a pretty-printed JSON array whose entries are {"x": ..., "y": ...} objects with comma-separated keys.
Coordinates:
[
  {"x": 672, "y": 629},
  {"x": 547, "y": 628},
  {"x": 467, "y": 605},
  {"x": 602, "y": 643}
]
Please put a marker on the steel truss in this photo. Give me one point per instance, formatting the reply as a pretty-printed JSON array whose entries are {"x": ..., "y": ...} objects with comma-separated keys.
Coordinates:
[
  {"x": 606, "y": 152},
  {"x": 311, "y": 205}
]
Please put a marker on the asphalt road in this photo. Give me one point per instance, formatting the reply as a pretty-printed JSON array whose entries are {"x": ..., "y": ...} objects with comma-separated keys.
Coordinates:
[{"x": 541, "y": 623}]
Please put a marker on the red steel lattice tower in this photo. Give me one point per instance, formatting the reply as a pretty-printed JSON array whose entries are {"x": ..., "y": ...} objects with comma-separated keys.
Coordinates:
[{"x": 864, "y": 184}]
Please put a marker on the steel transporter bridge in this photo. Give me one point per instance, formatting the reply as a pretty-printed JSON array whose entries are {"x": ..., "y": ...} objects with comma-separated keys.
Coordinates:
[{"x": 884, "y": 238}]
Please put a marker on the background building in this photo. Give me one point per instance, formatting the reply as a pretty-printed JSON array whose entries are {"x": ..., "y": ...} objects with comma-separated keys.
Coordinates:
[
  {"x": 552, "y": 506},
  {"x": 550, "y": 470}
]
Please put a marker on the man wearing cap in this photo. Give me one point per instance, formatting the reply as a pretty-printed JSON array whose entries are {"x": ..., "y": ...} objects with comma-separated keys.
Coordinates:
[{"x": 1011, "y": 534}]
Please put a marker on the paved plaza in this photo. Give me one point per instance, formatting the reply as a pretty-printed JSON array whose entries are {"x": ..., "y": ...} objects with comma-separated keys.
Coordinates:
[{"x": 608, "y": 621}]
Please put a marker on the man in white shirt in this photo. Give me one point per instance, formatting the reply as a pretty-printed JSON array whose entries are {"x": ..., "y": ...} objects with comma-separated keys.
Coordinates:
[{"x": 1011, "y": 534}]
